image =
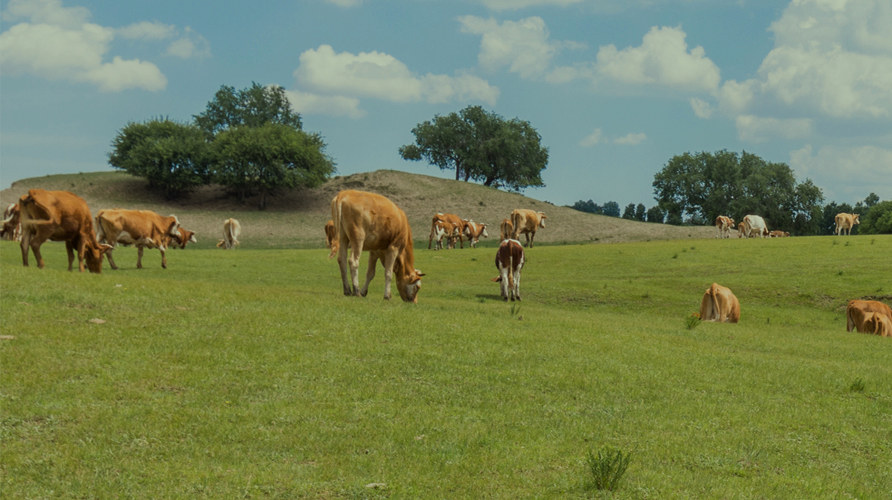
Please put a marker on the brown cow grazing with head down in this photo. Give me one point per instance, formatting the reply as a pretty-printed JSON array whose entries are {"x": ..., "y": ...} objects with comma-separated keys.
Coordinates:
[
  {"x": 12, "y": 227},
  {"x": 59, "y": 216},
  {"x": 719, "y": 304},
  {"x": 723, "y": 226},
  {"x": 509, "y": 262},
  {"x": 474, "y": 230},
  {"x": 506, "y": 229},
  {"x": 231, "y": 231},
  {"x": 845, "y": 222},
  {"x": 368, "y": 221},
  {"x": 142, "y": 228},
  {"x": 526, "y": 222},
  {"x": 867, "y": 316}
]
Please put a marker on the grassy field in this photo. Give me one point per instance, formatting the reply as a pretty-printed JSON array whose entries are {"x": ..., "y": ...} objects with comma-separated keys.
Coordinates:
[{"x": 247, "y": 374}]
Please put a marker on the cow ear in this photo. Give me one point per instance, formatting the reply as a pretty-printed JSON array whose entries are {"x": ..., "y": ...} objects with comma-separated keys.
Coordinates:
[
  {"x": 419, "y": 273},
  {"x": 104, "y": 248}
]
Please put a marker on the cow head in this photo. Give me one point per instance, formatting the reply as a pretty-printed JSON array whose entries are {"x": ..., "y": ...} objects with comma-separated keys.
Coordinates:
[
  {"x": 184, "y": 236},
  {"x": 483, "y": 231},
  {"x": 542, "y": 219},
  {"x": 409, "y": 285},
  {"x": 856, "y": 219},
  {"x": 93, "y": 256}
]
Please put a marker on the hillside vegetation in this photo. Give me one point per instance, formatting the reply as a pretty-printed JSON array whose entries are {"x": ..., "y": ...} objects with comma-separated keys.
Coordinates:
[{"x": 296, "y": 218}]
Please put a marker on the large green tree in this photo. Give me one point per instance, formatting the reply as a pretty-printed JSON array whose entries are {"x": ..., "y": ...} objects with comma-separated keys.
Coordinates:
[
  {"x": 173, "y": 157},
  {"x": 481, "y": 146},
  {"x": 254, "y": 106}
]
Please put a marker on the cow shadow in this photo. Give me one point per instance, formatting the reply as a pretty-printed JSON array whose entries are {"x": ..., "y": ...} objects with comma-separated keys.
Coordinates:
[{"x": 490, "y": 296}]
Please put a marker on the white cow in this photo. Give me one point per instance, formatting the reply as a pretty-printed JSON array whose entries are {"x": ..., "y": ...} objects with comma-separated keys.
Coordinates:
[{"x": 753, "y": 226}]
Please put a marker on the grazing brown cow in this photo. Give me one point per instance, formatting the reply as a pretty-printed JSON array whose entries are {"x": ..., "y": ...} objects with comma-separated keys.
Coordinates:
[
  {"x": 183, "y": 236},
  {"x": 456, "y": 222},
  {"x": 231, "y": 231},
  {"x": 844, "y": 222},
  {"x": 506, "y": 229},
  {"x": 444, "y": 229},
  {"x": 368, "y": 221},
  {"x": 331, "y": 239},
  {"x": 59, "y": 216},
  {"x": 12, "y": 227},
  {"x": 526, "y": 222},
  {"x": 857, "y": 315},
  {"x": 509, "y": 262},
  {"x": 723, "y": 226},
  {"x": 719, "y": 304},
  {"x": 142, "y": 228},
  {"x": 474, "y": 230}
]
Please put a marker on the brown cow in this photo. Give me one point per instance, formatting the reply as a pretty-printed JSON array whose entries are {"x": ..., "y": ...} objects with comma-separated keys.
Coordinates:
[
  {"x": 12, "y": 227},
  {"x": 509, "y": 262},
  {"x": 331, "y": 239},
  {"x": 444, "y": 229},
  {"x": 231, "y": 231},
  {"x": 844, "y": 222},
  {"x": 474, "y": 230},
  {"x": 857, "y": 315},
  {"x": 456, "y": 221},
  {"x": 719, "y": 304},
  {"x": 526, "y": 222},
  {"x": 878, "y": 324},
  {"x": 142, "y": 228},
  {"x": 183, "y": 236},
  {"x": 59, "y": 216},
  {"x": 506, "y": 229},
  {"x": 368, "y": 221},
  {"x": 723, "y": 226},
  {"x": 778, "y": 234},
  {"x": 741, "y": 230}
]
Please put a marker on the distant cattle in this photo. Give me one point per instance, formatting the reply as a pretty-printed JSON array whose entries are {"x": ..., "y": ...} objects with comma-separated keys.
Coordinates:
[
  {"x": 509, "y": 262},
  {"x": 844, "y": 222},
  {"x": 741, "y": 230},
  {"x": 474, "y": 230},
  {"x": 443, "y": 229},
  {"x": 59, "y": 216},
  {"x": 754, "y": 226},
  {"x": 368, "y": 221},
  {"x": 778, "y": 234},
  {"x": 723, "y": 226},
  {"x": 142, "y": 228},
  {"x": 867, "y": 316},
  {"x": 526, "y": 222},
  {"x": 457, "y": 222},
  {"x": 12, "y": 227},
  {"x": 232, "y": 229},
  {"x": 719, "y": 304},
  {"x": 331, "y": 239},
  {"x": 183, "y": 236},
  {"x": 506, "y": 230}
]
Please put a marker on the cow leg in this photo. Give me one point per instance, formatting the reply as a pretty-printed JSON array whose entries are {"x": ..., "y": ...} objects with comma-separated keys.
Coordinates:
[
  {"x": 370, "y": 274},
  {"x": 111, "y": 261},
  {"x": 138, "y": 257},
  {"x": 164, "y": 256},
  {"x": 355, "y": 254},
  {"x": 517, "y": 283},
  {"x": 25, "y": 245},
  {"x": 503, "y": 282},
  {"x": 69, "y": 247},
  {"x": 389, "y": 260},
  {"x": 343, "y": 265}
]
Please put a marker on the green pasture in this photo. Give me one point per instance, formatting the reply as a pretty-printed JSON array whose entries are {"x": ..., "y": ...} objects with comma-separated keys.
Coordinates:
[{"x": 247, "y": 374}]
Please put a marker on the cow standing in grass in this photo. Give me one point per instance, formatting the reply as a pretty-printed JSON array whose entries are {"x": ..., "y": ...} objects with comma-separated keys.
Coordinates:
[
  {"x": 509, "y": 262},
  {"x": 719, "y": 304}
]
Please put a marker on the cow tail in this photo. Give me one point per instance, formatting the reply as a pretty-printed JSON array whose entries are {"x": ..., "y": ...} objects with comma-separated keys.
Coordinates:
[
  {"x": 100, "y": 231},
  {"x": 511, "y": 271}
]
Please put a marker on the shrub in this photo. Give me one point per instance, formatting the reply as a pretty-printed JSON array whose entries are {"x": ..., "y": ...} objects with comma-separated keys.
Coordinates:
[{"x": 607, "y": 468}]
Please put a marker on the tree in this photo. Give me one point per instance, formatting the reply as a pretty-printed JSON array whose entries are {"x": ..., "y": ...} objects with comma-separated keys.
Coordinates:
[
  {"x": 878, "y": 220},
  {"x": 587, "y": 206},
  {"x": 611, "y": 208},
  {"x": 253, "y": 107},
  {"x": 481, "y": 146},
  {"x": 173, "y": 157},
  {"x": 640, "y": 212},
  {"x": 629, "y": 212},
  {"x": 655, "y": 214},
  {"x": 269, "y": 157}
]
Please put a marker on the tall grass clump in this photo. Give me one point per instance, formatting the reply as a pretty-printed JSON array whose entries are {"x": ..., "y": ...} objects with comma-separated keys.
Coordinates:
[{"x": 606, "y": 468}]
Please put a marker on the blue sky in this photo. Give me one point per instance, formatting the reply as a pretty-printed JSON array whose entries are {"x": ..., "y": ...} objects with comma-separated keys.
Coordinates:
[{"x": 614, "y": 87}]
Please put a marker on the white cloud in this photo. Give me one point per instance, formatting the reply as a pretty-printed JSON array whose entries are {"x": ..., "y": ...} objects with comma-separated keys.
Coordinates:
[
  {"x": 345, "y": 3},
  {"x": 662, "y": 59},
  {"x": 522, "y": 46},
  {"x": 308, "y": 103},
  {"x": 190, "y": 46},
  {"x": 631, "y": 139},
  {"x": 735, "y": 98},
  {"x": 758, "y": 129},
  {"x": 123, "y": 74},
  {"x": 522, "y": 4},
  {"x": 702, "y": 109},
  {"x": 592, "y": 139},
  {"x": 46, "y": 12},
  {"x": 323, "y": 71},
  {"x": 863, "y": 170},
  {"x": 147, "y": 31}
]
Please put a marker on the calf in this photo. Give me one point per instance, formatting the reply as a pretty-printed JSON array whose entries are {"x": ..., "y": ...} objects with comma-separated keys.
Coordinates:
[
  {"x": 858, "y": 312},
  {"x": 231, "y": 231},
  {"x": 719, "y": 304},
  {"x": 844, "y": 222},
  {"x": 474, "y": 230},
  {"x": 444, "y": 229},
  {"x": 723, "y": 226},
  {"x": 509, "y": 262}
]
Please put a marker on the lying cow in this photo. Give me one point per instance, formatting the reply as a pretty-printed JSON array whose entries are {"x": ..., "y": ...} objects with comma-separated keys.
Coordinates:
[
  {"x": 474, "y": 230},
  {"x": 509, "y": 262},
  {"x": 231, "y": 231},
  {"x": 867, "y": 316},
  {"x": 844, "y": 222},
  {"x": 369, "y": 221},
  {"x": 526, "y": 222},
  {"x": 143, "y": 228},
  {"x": 723, "y": 226},
  {"x": 778, "y": 234},
  {"x": 719, "y": 304},
  {"x": 12, "y": 227},
  {"x": 59, "y": 216}
]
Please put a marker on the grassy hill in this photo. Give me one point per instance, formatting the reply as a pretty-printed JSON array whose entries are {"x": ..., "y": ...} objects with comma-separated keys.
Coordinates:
[{"x": 295, "y": 218}]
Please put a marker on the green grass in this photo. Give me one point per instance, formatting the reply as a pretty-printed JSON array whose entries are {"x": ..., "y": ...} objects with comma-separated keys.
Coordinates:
[{"x": 248, "y": 374}]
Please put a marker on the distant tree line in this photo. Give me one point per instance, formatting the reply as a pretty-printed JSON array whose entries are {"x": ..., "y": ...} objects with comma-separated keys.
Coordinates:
[
  {"x": 249, "y": 140},
  {"x": 696, "y": 188}
]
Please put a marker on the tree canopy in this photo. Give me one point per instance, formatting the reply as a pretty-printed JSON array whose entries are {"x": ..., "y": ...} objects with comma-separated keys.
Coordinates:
[
  {"x": 481, "y": 146},
  {"x": 254, "y": 106}
]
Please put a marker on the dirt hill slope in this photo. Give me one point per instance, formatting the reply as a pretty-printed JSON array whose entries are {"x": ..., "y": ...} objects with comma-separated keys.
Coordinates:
[{"x": 296, "y": 218}]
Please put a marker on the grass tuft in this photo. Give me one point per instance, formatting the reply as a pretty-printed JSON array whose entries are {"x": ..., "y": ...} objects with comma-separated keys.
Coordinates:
[
  {"x": 692, "y": 321},
  {"x": 857, "y": 385},
  {"x": 606, "y": 468}
]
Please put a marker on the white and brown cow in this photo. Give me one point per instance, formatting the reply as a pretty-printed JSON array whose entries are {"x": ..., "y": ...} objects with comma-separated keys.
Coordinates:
[
  {"x": 12, "y": 227},
  {"x": 719, "y": 304},
  {"x": 754, "y": 226},
  {"x": 867, "y": 316},
  {"x": 183, "y": 236},
  {"x": 369, "y": 221},
  {"x": 59, "y": 216},
  {"x": 457, "y": 222},
  {"x": 232, "y": 229},
  {"x": 844, "y": 222},
  {"x": 444, "y": 229},
  {"x": 474, "y": 230},
  {"x": 143, "y": 228},
  {"x": 509, "y": 262},
  {"x": 723, "y": 226},
  {"x": 526, "y": 222}
]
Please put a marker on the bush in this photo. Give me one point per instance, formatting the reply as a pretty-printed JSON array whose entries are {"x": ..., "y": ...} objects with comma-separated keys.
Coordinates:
[
  {"x": 877, "y": 220},
  {"x": 607, "y": 468}
]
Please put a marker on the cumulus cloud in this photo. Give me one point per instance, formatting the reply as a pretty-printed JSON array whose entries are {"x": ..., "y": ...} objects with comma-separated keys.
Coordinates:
[
  {"x": 147, "y": 31},
  {"x": 631, "y": 139},
  {"x": 309, "y": 103},
  {"x": 702, "y": 109},
  {"x": 662, "y": 59},
  {"x": 523, "y": 46},
  {"x": 378, "y": 75},
  {"x": 189, "y": 45},
  {"x": 761, "y": 129},
  {"x": 522, "y": 4},
  {"x": 592, "y": 139},
  {"x": 862, "y": 169}
]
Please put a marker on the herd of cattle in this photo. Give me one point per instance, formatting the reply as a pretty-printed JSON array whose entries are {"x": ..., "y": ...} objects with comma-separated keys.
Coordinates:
[{"x": 360, "y": 221}]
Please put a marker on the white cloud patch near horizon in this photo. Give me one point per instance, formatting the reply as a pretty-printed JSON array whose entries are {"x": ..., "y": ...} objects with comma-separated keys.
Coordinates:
[
  {"x": 324, "y": 73},
  {"x": 762, "y": 129}
]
